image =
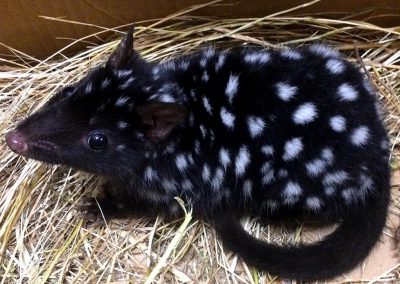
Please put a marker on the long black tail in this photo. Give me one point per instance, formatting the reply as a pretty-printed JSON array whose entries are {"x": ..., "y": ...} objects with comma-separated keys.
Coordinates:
[{"x": 336, "y": 254}]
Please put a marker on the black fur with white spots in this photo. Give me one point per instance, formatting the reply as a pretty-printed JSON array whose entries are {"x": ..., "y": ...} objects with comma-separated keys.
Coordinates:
[{"x": 243, "y": 131}]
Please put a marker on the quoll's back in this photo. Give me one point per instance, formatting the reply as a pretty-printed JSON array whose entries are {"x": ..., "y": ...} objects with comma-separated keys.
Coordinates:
[{"x": 291, "y": 128}]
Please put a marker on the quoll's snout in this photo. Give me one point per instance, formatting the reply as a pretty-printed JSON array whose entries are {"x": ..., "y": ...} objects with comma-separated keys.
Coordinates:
[{"x": 17, "y": 142}]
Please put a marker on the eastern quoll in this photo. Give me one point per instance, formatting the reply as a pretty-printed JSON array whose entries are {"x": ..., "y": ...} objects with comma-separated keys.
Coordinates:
[{"x": 243, "y": 131}]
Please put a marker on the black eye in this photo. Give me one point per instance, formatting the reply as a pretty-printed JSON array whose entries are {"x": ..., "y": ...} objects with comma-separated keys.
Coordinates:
[{"x": 98, "y": 141}]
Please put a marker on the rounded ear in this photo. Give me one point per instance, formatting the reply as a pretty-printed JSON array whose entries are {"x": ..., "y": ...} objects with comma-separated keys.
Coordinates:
[
  {"x": 160, "y": 119},
  {"x": 124, "y": 53}
]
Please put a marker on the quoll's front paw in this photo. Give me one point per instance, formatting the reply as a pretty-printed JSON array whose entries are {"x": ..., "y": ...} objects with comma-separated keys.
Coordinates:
[{"x": 91, "y": 210}]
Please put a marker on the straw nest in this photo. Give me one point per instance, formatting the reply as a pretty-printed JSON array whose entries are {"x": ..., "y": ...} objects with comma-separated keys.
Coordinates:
[{"x": 44, "y": 240}]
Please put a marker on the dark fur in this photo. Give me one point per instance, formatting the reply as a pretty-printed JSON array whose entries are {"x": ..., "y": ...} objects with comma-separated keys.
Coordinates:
[{"x": 170, "y": 128}]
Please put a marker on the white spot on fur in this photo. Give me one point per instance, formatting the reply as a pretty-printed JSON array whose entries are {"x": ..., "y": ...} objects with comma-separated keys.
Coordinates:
[
  {"x": 205, "y": 77},
  {"x": 169, "y": 185},
  {"x": 197, "y": 146},
  {"x": 101, "y": 107},
  {"x": 191, "y": 118},
  {"x": 193, "y": 94},
  {"x": 335, "y": 66},
  {"x": 203, "y": 62},
  {"x": 231, "y": 87},
  {"x": 138, "y": 135},
  {"x": 89, "y": 88},
  {"x": 190, "y": 159},
  {"x": 329, "y": 190},
  {"x": 318, "y": 166},
  {"x": 268, "y": 173},
  {"x": 165, "y": 93},
  {"x": 360, "y": 135},
  {"x": 324, "y": 51},
  {"x": 335, "y": 178},
  {"x": 170, "y": 148},
  {"x": 291, "y": 54},
  {"x": 220, "y": 62},
  {"x": 313, "y": 203},
  {"x": 123, "y": 73},
  {"x": 224, "y": 158},
  {"x": 93, "y": 120},
  {"x": 327, "y": 155},
  {"x": 184, "y": 65},
  {"x": 247, "y": 188},
  {"x": 267, "y": 150},
  {"x": 272, "y": 205},
  {"x": 126, "y": 84},
  {"x": 206, "y": 173},
  {"x": 120, "y": 148},
  {"x": 292, "y": 192},
  {"x": 349, "y": 194},
  {"x": 187, "y": 184},
  {"x": 181, "y": 162},
  {"x": 282, "y": 173},
  {"x": 265, "y": 167},
  {"x": 105, "y": 83},
  {"x": 227, "y": 118},
  {"x": 156, "y": 71},
  {"x": 378, "y": 110},
  {"x": 131, "y": 106},
  {"x": 257, "y": 57},
  {"x": 347, "y": 93},
  {"x": 121, "y": 101},
  {"x": 209, "y": 52},
  {"x": 368, "y": 87},
  {"x": 285, "y": 91},
  {"x": 292, "y": 148},
  {"x": 268, "y": 177},
  {"x": 212, "y": 136},
  {"x": 150, "y": 174},
  {"x": 169, "y": 65},
  {"x": 338, "y": 123},
  {"x": 122, "y": 124},
  {"x": 256, "y": 125},
  {"x": 366, "y": 184},
  {"x": 207, "y": 105},
  {"x": 218, "y": 178},
  {"x": 242, "y": 161},
  {"x": 315, "y": 167},
  {"x": 203, "y": 131},
  {"x": 385, "y": 145},
  {"x": 305, "y": 113},
  {"x": 166, "y": 98}
]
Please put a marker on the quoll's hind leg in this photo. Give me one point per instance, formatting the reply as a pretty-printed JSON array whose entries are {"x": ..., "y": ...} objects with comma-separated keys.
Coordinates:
[{"x": 113, "y": 203}]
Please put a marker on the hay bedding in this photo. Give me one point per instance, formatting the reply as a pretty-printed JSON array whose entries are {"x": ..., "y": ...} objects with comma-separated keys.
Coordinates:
[{"x": 43, "y": 239}]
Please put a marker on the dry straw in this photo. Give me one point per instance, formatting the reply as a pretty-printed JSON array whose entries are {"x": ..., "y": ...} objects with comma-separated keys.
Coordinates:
[{"x": 43, "y": 239}]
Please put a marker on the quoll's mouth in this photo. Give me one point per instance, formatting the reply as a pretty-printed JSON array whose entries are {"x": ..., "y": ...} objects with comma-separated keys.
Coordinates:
[{"x": 19, "y": 144}]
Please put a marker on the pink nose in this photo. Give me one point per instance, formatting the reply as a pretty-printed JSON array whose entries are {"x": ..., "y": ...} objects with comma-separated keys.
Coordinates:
[{"x": 16, "y": 142}]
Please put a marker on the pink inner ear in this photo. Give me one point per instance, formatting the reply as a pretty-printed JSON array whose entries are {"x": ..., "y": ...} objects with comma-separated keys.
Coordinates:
[
  {"x": 158, "y": 134},
  {"x": 148, "y": 121},
  {"x": 161, "y": 119}
]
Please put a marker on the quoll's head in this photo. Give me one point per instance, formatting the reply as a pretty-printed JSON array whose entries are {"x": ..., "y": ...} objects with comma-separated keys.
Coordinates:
[{"x": 104, "y": 123}]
